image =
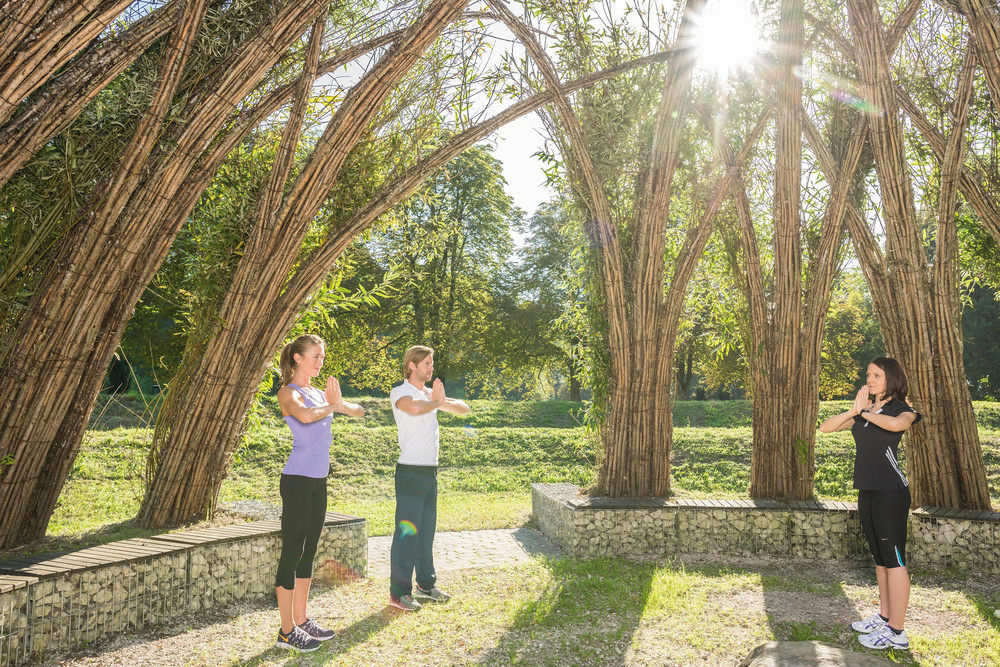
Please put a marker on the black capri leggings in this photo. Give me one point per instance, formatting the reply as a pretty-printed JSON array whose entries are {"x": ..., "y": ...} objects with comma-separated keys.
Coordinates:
[
  {"x": 303, "y": 511},
  {"x": 883, "y": 516}
]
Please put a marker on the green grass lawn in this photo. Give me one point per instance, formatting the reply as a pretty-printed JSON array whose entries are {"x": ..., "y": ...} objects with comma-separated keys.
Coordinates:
[
  {"x": 488, "y": 461},
  {"x": 696, "y": 611}
]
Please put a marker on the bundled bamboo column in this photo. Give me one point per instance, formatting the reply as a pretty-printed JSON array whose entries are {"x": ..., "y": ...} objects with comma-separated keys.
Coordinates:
[
  {"x": 202, "y": 423},
  {"x": 38, "y": 37},
  {"x": 784, "y": 336},
  {"x": 60, "y": 90},
  {"x": 640, "y": 308},
  {"x": 216, "y": 411},
  {"x": 78, "y": 312},
  {"x": 984, "y": 21},
  {"x": 921, "y": 327}
]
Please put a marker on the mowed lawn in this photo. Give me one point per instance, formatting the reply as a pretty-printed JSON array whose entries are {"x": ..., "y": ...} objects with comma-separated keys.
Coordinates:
[{"x": 488, "y": 461}]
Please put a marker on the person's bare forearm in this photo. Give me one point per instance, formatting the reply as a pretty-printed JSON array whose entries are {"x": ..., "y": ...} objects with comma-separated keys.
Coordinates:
[
  {"x": 350, "y": 409},
  {"x": 456, "y": 406},
  {"x": 417, "y": 408},
  {"x": 310, "y": 415},
  {"x": 836, "y": 422}
]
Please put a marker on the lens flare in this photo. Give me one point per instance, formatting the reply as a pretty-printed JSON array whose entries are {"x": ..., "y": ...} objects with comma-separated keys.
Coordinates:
[
  {"x": 841, "y": 89},
  {"x": 407, "y": 528},
  {"x": 727, "y": 36}
]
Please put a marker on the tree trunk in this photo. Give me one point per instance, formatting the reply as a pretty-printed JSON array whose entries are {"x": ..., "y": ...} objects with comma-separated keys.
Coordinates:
[
  {"x": 77, "y": 314},
  {"x": 572, "y": 370},
  {"x": 921, "y": 329},
  {"x": 685, "y": 371}
]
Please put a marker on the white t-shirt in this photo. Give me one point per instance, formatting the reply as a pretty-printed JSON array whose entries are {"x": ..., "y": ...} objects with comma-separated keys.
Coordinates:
[{"x": 418, "y": 435}]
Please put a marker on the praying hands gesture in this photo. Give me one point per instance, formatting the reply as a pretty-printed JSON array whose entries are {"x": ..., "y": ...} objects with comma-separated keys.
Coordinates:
[
  {"x": 437, "y": 392},
  {"x": 333, "y": 394},
  {"x": 845, "y": 420},
  {"x": 862, "y": 401},
  {"x": 452, "y": 405}
]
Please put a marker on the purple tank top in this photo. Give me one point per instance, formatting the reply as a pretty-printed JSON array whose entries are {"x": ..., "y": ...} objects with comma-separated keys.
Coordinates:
[{"x": 311, "y": 442}]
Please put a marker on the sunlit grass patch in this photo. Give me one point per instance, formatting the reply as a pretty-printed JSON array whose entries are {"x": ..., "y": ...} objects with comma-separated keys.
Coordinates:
[{"x": 488, "y": 461}]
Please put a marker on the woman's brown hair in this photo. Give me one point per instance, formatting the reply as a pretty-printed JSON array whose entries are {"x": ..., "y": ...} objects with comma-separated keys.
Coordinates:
[
  {"x": 896, "y": 385},
  {"x": 297, "y": 346}
]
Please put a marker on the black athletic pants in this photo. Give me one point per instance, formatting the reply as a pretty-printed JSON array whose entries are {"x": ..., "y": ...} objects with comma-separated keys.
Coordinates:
[
  {"x": 303, "y": 511},
  {"x": 416, "y": 520},
  {"x": 883, "y": 520}
]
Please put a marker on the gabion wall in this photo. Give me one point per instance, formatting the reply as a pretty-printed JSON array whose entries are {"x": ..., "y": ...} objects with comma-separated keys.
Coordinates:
[
  {"x": 61, "y": 601},
  {"x": 590, "y": 527}
]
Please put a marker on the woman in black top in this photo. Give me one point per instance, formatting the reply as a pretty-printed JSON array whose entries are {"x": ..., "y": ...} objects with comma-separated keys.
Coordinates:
[{"x": 877, "y": 420}]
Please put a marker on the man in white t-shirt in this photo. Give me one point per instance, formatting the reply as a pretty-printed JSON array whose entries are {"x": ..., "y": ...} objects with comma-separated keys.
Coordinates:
[{"x": 415, "y": 407}]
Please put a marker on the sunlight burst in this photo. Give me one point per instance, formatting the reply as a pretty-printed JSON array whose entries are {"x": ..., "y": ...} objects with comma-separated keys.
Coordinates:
[{"x": 727, "y": 36}]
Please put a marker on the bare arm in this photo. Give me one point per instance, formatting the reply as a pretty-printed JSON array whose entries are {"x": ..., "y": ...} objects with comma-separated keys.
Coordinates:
[
  {"x": 416, "y": 408},
  {"x": 841, "y": 422},
  {"x": 292, "y": 405},
  {"x": 438, "y": 401},
  {"x": 845, "y": 420},
  {"x": 455, "y": 406},
  {"x": 351, "y": 409}
]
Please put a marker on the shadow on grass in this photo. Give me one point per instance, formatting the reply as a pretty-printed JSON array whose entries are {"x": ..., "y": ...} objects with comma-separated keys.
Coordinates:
[
  {"x": 810, "y": 604},
  {"x": 346, "y": 639},
  {"x": 821, "y": 612},
  {"x": 586, "y": 613}
]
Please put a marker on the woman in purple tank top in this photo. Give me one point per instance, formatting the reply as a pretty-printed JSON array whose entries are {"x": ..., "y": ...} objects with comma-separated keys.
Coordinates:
[{"x": 308, "y": 412}]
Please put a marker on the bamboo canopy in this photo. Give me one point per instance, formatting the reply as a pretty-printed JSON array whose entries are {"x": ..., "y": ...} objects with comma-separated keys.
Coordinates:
[{"x": 784, "y": 249}]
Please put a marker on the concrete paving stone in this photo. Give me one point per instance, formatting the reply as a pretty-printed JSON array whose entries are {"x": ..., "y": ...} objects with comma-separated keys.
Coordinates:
[{"x": 459, "y": 550}]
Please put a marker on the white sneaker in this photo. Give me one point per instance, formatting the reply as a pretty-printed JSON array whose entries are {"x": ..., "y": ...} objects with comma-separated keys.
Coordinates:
[
  {"x": 870, "y": 624},
  {"x": 884, "y": 637}
]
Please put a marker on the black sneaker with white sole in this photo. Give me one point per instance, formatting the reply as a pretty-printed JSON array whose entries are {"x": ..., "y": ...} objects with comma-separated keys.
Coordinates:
[
  {"x": 435, "y": 594},
  {"x": 298, "y": 640}
]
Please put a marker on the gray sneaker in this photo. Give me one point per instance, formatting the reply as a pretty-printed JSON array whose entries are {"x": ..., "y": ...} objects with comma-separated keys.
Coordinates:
[
  {"x": 435, "y": 594},
  {"x": 312, "y": 628},
  {"x": 297, "y": 640},
  {"x": 405, "y": 602}
]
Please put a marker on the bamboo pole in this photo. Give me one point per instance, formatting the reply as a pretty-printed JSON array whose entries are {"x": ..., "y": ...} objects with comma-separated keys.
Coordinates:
[{"x": 944, "y": 457}]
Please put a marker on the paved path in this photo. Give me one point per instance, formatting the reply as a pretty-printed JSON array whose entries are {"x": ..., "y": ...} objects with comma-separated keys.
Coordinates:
[
  {"x": 468, "y": 549},
  {"x": 452, "y": 550}
]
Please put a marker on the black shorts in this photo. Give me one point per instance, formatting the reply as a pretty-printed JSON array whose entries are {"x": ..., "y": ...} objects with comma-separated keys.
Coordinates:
[{"x": 883, "y": 519}]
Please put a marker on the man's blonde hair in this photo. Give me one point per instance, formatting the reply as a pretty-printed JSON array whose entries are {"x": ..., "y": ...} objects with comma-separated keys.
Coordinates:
[{"x": 415, "y": 354}]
